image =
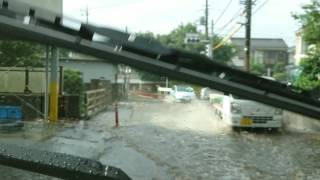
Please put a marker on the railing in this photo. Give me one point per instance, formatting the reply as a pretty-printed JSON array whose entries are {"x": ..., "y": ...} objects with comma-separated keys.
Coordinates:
[{"x": 95, "y": 101}]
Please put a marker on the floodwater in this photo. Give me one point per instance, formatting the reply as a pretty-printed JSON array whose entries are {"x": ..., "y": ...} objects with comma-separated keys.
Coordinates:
[{"x": 165, "y": 140}]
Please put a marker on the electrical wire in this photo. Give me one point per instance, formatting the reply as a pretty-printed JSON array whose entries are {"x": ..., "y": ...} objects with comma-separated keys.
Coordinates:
[
  {"x": 261, "y": 6},
  {"x": 224, "y": 40},
  {"x": 223, "y": 12},
  {"x": 239, "y": 13},
  {"x": 237, "y": 28}
]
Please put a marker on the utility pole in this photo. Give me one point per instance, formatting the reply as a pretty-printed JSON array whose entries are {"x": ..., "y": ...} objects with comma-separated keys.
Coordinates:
[
  {"x": 116, "y": 113},
  {"x": 86, "y": 13},
  {"x": 46, "y": 100},
  {"x": 212, "y": 39},
  {"x": 248, "y": 5},
  {"x": 207, "y": 20},
  {"x": 54, "y": 85}
]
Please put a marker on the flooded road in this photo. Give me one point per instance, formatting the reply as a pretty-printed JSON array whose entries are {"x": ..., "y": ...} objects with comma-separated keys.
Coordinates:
[
  {"x": 195, "y": 144},
  {"x": 164, "y": 140}
]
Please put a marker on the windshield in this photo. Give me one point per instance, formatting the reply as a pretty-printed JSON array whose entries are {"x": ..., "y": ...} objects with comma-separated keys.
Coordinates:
[
  {"x": 103, "y": 88},
  {"x": 184, "y": 89}
]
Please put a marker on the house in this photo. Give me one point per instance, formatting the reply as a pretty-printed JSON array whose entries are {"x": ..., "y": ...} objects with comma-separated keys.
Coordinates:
[
  {"x": 291, "y": 55},
  {"x": 265, "y": 51},
  {"x": 94, "y": 68},
  {"x": 301, "y": 48},
  {"x": 90, "y": 67}
]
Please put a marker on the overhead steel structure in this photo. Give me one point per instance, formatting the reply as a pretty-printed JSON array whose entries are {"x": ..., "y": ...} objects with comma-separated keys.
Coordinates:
[{"x": 24, "y": 22}]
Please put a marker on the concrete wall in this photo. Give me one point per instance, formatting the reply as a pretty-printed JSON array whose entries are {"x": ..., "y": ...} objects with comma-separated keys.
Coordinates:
[
  {"x": 296, "y": 122},
  {"x": 13, "y": 81}
]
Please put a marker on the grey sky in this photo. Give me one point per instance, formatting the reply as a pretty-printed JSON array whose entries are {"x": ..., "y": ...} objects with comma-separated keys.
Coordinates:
[{"x": 273, "y": 20}]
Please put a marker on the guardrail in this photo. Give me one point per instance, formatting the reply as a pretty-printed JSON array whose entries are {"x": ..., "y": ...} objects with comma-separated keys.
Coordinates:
[{"x": 95, "y": 101}]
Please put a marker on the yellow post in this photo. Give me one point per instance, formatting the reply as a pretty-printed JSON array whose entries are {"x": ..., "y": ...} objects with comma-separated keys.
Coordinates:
[
  {"x": 54, "y": 91},
  {"x": 54, "y": 86}
]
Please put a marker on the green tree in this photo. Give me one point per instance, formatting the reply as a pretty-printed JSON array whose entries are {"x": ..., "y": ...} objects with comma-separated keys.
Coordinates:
[
  {"x": 72, "y": 82},
  {"x": 279, "y": 71},
  {"x": 309, "y": 78},
  {"x": 19, "y": 53},
  {"x": 175, "y": 39},
  {"x": 258, "y": 69},
  {"x": 310, "y": 22}
]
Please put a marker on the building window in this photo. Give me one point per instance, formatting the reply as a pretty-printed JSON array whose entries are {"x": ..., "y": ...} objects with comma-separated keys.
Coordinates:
[
  {"x": 258, "y": 57},
  {"x": 270, "y": 57}
]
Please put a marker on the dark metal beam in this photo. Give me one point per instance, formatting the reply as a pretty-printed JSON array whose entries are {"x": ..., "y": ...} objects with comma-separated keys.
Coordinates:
[{"x": 45, "y": 35}]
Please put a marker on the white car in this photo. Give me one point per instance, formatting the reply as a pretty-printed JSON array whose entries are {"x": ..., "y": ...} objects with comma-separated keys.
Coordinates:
[
  {"x": 239, "y": 113},
  {"x": 182, "y": 93}
]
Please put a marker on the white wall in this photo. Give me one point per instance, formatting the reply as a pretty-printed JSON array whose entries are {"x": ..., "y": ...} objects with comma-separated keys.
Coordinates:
[
  {"x": 301, "y": 48},
  {"x": 91, "y": 69}
]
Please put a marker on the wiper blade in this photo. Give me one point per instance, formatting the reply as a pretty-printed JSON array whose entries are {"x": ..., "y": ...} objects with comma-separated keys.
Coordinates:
[{"x": 58, "y": 165}]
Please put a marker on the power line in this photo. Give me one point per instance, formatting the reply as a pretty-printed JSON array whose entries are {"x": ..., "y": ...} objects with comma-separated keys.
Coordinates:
[
  {"x": 108, "y": 6},
  {"x": 261, "y": 6},
  {"x": 223, "y": 12},
  {"x": 239, "y": 13},
  {"x": 224, "y": 40},
  {"x": 237, "y": 27}
]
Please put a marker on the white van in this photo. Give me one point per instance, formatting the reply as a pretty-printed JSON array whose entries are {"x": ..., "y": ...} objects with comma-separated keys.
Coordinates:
[
  {"x": 239, "y": 112},
  {"x": 182, "y": 93}
]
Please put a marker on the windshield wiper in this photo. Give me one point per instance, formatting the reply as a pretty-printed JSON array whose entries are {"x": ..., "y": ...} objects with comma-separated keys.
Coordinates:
[{"x": 58, "y": 165}]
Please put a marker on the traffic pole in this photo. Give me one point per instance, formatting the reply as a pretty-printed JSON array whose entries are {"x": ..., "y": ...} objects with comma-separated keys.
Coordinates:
[
  {"x": 54, "y": 85},
  {"x": 116, "y": 114},
  {"x": 46, "y": 89},
  {"x": 117, "y": 97},
  {"x": 248, "y": 34}
]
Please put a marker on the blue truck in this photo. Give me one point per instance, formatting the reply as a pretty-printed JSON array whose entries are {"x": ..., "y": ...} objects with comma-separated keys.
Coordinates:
[{"x": 10, "y": 117}]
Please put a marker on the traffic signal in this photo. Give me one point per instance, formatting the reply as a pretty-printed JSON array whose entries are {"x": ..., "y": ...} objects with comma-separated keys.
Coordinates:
[
  {"x": 207, "y": 49},
  {"x": 192, "y": 38}
]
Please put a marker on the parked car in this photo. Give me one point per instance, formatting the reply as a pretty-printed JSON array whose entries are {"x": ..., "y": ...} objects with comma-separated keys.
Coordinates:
[{"x": 182, "y": 93}]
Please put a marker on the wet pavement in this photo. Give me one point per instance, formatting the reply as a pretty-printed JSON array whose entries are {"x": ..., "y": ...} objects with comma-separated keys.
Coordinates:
[{"x": 164, "y": 140}]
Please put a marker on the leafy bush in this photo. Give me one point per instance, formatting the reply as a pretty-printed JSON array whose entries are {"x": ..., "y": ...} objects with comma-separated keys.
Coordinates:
[
  {"x": 280, "y": 76},
  {"x": 258, "y": 69},
  {"x": 73, "y": 83},
  {"x": 309, "y": 78}
]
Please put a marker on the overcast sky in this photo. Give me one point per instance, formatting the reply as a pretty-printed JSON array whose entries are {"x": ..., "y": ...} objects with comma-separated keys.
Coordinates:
[{"x": 273, "y": 20}]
